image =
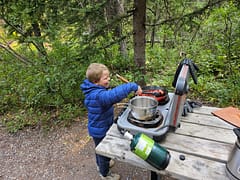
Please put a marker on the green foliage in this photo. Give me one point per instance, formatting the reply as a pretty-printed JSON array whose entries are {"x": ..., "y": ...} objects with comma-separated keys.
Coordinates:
[
  {"x": 44, "y": 89},
  {"x": 44, "y": 85},
  {"x": 36, "y": 118},
  {"x": 20, "y": 119},
  {"x": 217, "y": 92}
]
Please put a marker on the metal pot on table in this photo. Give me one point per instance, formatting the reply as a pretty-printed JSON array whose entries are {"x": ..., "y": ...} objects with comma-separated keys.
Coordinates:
[
  {"x": 143, "y": 107},
  {"x": 233, "y": 164}
]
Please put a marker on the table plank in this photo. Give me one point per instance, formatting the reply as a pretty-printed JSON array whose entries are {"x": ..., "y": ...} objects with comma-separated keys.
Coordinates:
[
  {"x": 212, "y": 150},
  {"x": 205, "y": 110},
  {"x": 206, "y": 119},
  {"x": 207, "y": 132}
]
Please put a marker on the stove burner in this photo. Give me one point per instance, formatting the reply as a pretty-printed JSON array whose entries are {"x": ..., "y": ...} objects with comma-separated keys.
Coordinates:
[{"x": 156, "y": 121}]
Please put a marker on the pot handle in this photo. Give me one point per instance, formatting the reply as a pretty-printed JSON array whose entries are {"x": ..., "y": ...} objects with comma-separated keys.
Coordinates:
[{"x": 237, "y": 132}]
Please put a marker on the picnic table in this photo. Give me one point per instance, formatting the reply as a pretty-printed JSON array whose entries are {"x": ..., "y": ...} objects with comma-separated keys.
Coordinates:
[{"x": 204, "y": 140}]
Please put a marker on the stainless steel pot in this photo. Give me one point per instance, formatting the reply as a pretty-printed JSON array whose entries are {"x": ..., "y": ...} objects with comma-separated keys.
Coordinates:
[
  {"x": 233, "y": 164},
  {"x": 143, "y": 107}
]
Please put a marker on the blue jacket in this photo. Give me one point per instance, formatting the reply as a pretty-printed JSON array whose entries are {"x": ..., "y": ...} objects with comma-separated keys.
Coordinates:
[{"x": 99, "y": 103}]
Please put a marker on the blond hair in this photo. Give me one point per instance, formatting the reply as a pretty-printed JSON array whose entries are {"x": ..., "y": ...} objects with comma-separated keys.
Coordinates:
[{"x": 95, "y": 71}]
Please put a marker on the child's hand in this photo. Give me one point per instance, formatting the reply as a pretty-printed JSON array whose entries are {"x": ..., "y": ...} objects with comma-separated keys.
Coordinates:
[{"x": 139, "y": 91}]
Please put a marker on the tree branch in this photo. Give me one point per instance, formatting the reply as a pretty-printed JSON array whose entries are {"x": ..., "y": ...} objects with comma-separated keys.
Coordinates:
[
  {"x": 15, "y": 54},
  {"x": 192, "y": 14},
  {"x": 18, "y": 30},
  {"x": 8, "y": 48}
]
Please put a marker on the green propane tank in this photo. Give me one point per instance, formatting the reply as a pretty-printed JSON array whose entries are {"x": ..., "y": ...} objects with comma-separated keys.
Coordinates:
[{"x": 150, "y": 151}]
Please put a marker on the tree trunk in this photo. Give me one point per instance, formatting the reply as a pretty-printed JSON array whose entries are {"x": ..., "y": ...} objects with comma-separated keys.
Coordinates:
[
  {"x": 114, "y": 10},
  {"x": 139, "y": 18},
  {"x": 120, "y": 11}
]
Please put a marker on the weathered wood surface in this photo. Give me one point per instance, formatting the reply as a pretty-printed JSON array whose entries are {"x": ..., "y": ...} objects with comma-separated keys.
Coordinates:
[
  {"x": 203, "y": 139},
  {"x": 206, "y": 119}
]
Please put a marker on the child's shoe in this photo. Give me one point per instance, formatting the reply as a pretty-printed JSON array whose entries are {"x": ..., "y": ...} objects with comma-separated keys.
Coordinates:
[
  {"x": 111, "y": 163},
  {"x": 111, "y": 176}
]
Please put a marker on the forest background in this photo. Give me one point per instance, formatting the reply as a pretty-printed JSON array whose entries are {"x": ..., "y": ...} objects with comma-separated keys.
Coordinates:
[{"x": 46, "y": 46}]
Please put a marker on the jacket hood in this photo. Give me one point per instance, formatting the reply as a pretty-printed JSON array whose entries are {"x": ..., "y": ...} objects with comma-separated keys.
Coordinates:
[{"x": 88, "y": 86}]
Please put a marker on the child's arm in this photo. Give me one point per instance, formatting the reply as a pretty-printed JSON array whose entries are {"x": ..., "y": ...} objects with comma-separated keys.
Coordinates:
[{"x": 118, "y": 93}]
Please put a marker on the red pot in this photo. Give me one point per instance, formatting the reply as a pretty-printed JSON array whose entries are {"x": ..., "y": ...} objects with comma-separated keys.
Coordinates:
[{"x": 157, "y": 92}]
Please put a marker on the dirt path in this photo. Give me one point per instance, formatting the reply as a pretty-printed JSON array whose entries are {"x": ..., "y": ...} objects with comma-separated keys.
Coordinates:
[{"x": 66, "y": 153}]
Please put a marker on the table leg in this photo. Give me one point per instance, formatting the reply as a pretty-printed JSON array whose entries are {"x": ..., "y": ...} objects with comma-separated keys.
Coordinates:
[{"x": 155, "y": 176}]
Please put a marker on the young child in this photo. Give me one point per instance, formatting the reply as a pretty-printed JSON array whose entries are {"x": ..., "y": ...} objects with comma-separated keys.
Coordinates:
[{"x": 99, "y": 103}]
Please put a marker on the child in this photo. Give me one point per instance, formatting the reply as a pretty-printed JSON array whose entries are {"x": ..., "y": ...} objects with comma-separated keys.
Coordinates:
[{"x": 99, "y": 103}]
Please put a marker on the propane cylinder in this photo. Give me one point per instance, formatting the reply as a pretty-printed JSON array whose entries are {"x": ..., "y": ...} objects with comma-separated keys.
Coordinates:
[{"x": 150, "y": 151}]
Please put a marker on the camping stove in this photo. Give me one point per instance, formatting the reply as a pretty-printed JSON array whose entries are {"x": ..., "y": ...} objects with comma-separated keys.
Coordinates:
[
  {"x": 156, "y": 127},
  {"x": 167, "y": 115}
]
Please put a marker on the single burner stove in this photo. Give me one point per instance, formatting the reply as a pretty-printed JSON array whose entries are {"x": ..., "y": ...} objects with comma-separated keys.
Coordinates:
[{"x": 155, "y": 128}]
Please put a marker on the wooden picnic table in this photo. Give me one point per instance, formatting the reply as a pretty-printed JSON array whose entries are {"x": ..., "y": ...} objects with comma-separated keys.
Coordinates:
[{"x": 203, "y": 139}]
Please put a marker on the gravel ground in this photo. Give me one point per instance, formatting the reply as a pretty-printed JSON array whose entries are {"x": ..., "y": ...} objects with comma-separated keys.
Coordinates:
[{"x": 65, "y": 153}]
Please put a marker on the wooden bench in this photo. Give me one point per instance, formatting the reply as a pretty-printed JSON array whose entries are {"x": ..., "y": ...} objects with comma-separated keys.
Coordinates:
[{"x": 203, "y": 139}]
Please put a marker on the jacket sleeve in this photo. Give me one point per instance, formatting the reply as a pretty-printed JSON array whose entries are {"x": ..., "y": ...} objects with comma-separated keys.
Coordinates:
[{"x": 117, "y": 94}]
